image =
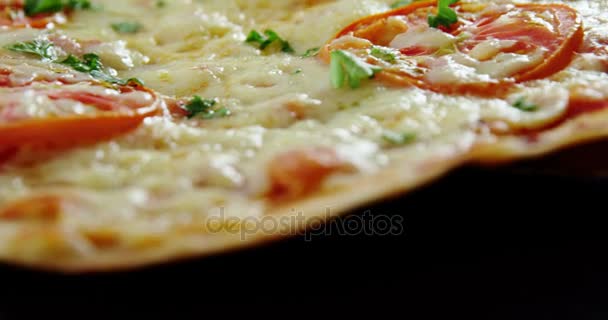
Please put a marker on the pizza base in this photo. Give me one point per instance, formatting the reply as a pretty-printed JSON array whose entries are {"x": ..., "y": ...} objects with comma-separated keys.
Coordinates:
[
  {"x": 390, "y": 182},
  {"x": 236, "y": 79}
]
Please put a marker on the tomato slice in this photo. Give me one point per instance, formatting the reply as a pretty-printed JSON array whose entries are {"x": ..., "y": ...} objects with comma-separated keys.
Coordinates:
[
  {"x": 39, "y": 208},
  {"x": 487, "y": 51},
  {"x": 583, "y": 100},
  {"x": 586, "y": 99},
  {"x": 299, "y": 172},
  {"x": 5, "y": 79},
  {"x": 71, "y": 115},
  {"x": 13, "y": 15}
]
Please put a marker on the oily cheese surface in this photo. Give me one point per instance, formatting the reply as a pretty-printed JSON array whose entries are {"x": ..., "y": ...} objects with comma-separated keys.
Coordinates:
[{"x": 167, "y": 189}]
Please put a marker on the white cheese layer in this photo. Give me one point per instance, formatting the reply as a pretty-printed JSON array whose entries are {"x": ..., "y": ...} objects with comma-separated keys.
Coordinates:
[{"x": 170, "y": 176}]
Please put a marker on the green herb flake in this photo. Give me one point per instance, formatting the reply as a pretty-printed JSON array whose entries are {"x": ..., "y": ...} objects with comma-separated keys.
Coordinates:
[
  {"x": 127, "y": 27},
  {"x": 199, "y": 107},
  {"x": 34, "y": 7},
  {"x": 161, "y": 4},
  {"x": 445, "y": 15},
  {"x": 79, "y": 5},
  {"x": 91, "y": 64},
  {"x": 523, "y": 105},
  {"x": 398, "y": 139},
  {"x": 42, "y": 48},
  {"x": 345, "y": 66},
  {"x": 219, "y": 113},
  {"x": 312, "y": 52},
  {"x": 384, "y": 54},
  {"x": 267, "y": 39}
]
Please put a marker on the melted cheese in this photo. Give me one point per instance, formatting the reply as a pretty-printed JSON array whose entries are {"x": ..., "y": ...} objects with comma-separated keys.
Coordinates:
[
  {"x": 168, "y": 177},
  {"x": 423, "y": 36}
]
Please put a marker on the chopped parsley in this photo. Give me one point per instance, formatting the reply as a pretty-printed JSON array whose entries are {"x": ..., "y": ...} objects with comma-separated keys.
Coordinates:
[
  {"x": 523, "y": 105},
  {"x": 384, "y": 54},
  {"x": 346, "y": 66},
  {"x": 445, "y": 15},
  {"x": 161, "y": 3},
  {"x": 398, "y": 139},
  {"x": 199, "y": 107},
  {"x": 127, "y": 27},
  {"x": 91, "y": 64},
  {"x": 312, "y": 52},
  {"x": 34, "y": 7},
  {"x": 78, "y": 4},
  {"x": 267, "y": 39},
  {"x": 42, "y": 48}
]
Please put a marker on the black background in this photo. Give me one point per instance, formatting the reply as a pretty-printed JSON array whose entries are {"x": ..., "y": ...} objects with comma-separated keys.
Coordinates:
[{"x": 496, "y": 244}]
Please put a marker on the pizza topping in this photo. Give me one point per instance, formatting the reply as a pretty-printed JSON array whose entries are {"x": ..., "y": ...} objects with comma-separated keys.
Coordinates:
[
  {"x": 591, "y": 62},
  {"x": 583, "y": 105},
  {"x": 312, "y": 52},
  {"x": 445, "y": 17},
  {"x": 21, "y": 73},
  {"x": 427, "y": 40},
  {"x": 62, "y": 117},
  {"x": 297, "y": 173},
  {"x": 488, "y": 50},
  {"x": 580, "y": 100},
  {"x": 585, "y": 99},
  {"x": 90, "y": 63},
  {"x": 127, "y": 27},
  {"x": 39, "y": 13},
  {"x": 14, "y": 16},
  {"x": 38, "y": 209},
  {"x": 399, "y": 139},
  {"x": 346, "y": 67},
  {"x": 115, "y": 54},
  {"x": 385, "y": 54},
  {"x": 192, "y": 167},
  {"x": 41, "y": 48},
  {"x": 594, "y": 52},
  {"x": 268, "y": 39},
  {"x": 35, "y": 7},
  {"x": 523, "y": 105},
  {"x": 531, "y": 109},
  {"x": 38, "y": 102},
  {"x": 203, "y": 108}
]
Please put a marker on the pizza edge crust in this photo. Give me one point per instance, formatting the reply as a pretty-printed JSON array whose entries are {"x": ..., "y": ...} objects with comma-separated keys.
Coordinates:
[{"x": 390, "y": 182}]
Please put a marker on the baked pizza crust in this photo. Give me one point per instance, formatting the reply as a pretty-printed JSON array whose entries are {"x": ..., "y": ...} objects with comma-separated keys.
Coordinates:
[
  {"x": 333, "y": 199},
  {"x": 393, "y": 181}
]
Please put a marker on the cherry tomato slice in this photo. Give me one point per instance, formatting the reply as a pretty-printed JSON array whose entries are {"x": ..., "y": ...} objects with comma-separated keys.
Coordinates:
[
  {"x": 487, "y": 51},
  {"x": 296, "y": 173},
  {"x": 110, "y": 115},
  {"x": 13, "y": 15}
]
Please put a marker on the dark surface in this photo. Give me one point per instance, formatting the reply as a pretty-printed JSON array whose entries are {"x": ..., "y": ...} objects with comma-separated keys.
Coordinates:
[{"x": 487, "y": 243}]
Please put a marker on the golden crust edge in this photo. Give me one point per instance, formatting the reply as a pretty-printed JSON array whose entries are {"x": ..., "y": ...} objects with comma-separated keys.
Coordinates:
[{"x": 386, "y": 183}]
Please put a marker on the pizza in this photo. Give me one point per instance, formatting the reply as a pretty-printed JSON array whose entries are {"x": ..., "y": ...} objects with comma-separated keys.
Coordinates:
[{"x": 145, "y": 131}]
